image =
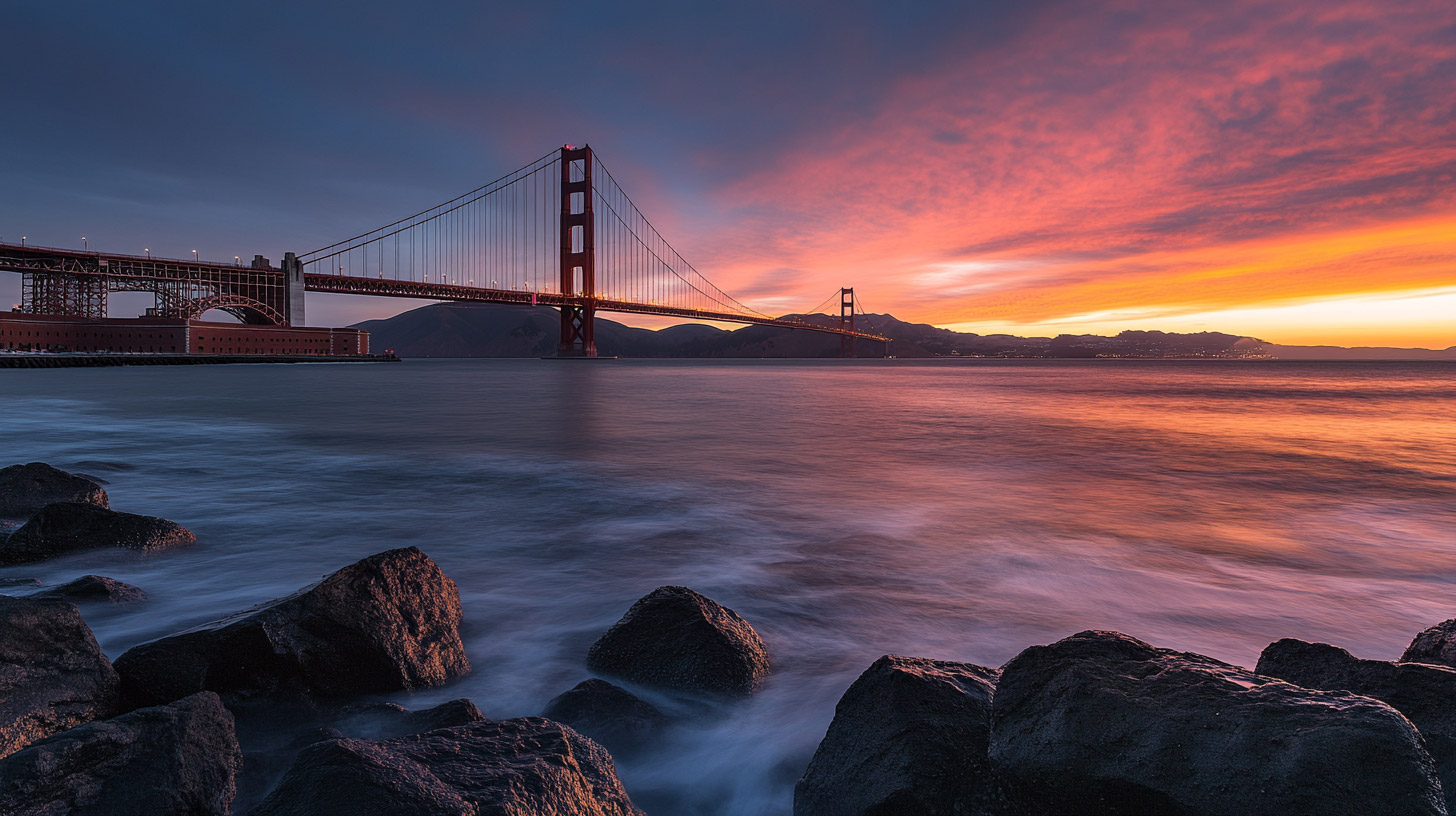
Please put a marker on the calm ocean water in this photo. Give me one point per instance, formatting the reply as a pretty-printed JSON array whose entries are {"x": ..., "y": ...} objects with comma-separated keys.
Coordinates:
[{"x": 943, "y": 509}]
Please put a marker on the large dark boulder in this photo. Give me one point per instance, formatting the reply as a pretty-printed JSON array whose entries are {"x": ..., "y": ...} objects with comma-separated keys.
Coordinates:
[
  {"x": 1101, "y": 723},
  {"x": 676, "y": 638},
  {"x": 389, "y": 622},
  {"x": 1425, "y": 694},
  {"x": 25, "y": 489},
  {"x": 173, "y": 760},
  {"x": 909, "y": 738},
  {"x": 95, "y": 588},
  {"x": 53, "y": 676},
  {"x": 1436, "y": 645},
  {"x": 520, "y": 767},
  {"x": 69, "y": 526},
  {"x": 609, "y": 714}
]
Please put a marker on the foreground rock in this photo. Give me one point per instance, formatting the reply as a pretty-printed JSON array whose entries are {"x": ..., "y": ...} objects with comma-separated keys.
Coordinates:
[
  {"x": 521, "y": 767},
  {"x": 1101, "y": 723},
  {"x": 69, "y": 526},
  {"x": 676, "y": 638},
  {"x": 389, "y": 622},
  {"x": 25, "y": 489},
  {"x": 1425, "y": 694},
  {"x": 609, "y": 714},
  {"x": 53, "y": 676},
  {"x": 173, "y": 760},
  {"x": 910, "y": 736},
  {"x": 272, "y": 735},
  {"x": 1436, "y": 645},
  {"x": 95, "y": 588}
]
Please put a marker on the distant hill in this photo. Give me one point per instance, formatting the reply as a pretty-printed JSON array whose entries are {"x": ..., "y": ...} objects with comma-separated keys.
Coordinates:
[
  {"x": 498, "y": 330},
  {"x": 1357, "y": 353}
]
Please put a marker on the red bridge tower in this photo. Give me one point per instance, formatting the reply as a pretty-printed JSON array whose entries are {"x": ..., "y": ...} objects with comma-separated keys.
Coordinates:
[{"x": 578, "y": 255}]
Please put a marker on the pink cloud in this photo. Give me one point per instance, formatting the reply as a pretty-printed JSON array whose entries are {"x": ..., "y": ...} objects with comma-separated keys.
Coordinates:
[{"x": 1116, "y": 154}]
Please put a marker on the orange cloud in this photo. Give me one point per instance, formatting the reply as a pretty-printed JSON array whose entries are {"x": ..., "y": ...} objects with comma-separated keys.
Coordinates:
[{"x": 1159, "y": 159}]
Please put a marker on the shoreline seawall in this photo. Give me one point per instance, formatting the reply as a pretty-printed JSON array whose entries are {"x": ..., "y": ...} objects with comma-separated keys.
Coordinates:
[{"x": 95, "y": 360}]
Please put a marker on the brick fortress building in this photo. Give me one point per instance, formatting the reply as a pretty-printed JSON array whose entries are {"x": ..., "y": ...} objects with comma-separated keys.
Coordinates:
[{"x": 20, "y": 331}]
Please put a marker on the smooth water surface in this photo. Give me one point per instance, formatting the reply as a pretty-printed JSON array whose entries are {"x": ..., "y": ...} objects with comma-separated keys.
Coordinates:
[{"x": 943, "y": 509}]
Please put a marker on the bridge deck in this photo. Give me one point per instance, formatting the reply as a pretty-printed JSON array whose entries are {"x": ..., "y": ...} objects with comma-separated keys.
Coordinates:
[
  {"x": 384, "y": 287},
  {"x": 142, "y": 269}
]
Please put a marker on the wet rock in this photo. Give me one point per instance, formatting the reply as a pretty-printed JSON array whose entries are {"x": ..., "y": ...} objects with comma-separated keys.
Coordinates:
[
  {"x": 1436, "y": 645},
  {"x": 518, "y": 767},
  {"x": 25, "y": 489},
  {"x": 69, "y": 526},
  {"x": 174, "y": 760},
  {"x": 387, "y": 720},
  {"x": 53, "y": 676},
  {"x": 1425, "y": 694},
  {"x": 609, "y": 714},
  {"x": 676, "y": 638},
  {"x": 19, "y": 583},
  {"x": 910, "y": 736},
  {"x": 95, "y": 588},
  {"x": 1101, "y": 723},
  {"x": 388, "y": 622}
]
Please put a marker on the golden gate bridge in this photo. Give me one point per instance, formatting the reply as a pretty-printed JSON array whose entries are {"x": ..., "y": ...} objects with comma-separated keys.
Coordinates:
[{"x": 558, "y": 232}]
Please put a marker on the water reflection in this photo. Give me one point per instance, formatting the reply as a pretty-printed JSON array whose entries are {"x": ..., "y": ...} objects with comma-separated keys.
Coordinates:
[{"x": 941, "y": 510}]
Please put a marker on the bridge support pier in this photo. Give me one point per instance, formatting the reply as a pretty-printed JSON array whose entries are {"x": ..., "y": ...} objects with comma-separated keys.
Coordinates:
[
  {"x": 846, "y": 321},
  {"x": 578, "y": 336},
  {"x": 292, "y": 270}
]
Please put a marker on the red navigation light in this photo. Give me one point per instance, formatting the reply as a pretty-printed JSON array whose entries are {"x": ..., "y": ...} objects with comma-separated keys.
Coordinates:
[{"x": 569, "y": 147}]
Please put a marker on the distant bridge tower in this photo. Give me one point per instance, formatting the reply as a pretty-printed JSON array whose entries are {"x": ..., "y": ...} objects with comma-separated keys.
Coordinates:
[
  {"x": 846, "y": 322},
  {"x": 578, "y": 255}
]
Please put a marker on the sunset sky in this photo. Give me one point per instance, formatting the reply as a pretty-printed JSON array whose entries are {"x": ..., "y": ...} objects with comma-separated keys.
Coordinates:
[{"x": 1284, "y": 169}]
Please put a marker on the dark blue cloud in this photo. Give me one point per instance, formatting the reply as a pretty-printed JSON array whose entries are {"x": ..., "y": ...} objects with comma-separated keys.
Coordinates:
[{"x": 259, "y": 127}]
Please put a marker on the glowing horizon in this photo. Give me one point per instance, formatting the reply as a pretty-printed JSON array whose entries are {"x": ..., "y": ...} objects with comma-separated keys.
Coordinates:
[{"x": 1283, "y": 175}]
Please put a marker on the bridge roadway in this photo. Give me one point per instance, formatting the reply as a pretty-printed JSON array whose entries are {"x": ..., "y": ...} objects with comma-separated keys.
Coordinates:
[
  {"x": 256, "y": 293},
  {"x": 384, "y": 287}
]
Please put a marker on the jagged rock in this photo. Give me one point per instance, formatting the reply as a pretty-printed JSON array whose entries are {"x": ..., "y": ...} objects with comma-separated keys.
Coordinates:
[
  {"x": 1436, "y": 645},
  {"x": 68, "y": 526},
  {"x": 1101, "y": 723},
  {"x": 1425, "y": 694},
  {"x": 609, "y": 714},
  {"x": 53, "y": 676},
  {"x": 676, "y": 638},
  {"x": 173, "y": 760},
  {"x": 521, "y": 767},
  {"x": 388, "y": 720},
  {"x": 909, "y": 737},
  {"x": 389, "y": 622},
  {"x": 95, "y": 588},
  {"x": 25, "y": 489}
]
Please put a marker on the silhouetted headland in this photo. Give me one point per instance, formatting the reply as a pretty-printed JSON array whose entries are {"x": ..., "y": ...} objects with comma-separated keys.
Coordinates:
[{"x": 492, "y": 330}]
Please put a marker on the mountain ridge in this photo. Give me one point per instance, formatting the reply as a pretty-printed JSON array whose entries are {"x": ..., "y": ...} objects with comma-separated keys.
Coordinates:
[{"x": 501, "y": 330}]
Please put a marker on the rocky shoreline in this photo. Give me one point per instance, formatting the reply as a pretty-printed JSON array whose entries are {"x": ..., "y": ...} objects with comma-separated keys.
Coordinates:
[{"x": 260, "y": 712}]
